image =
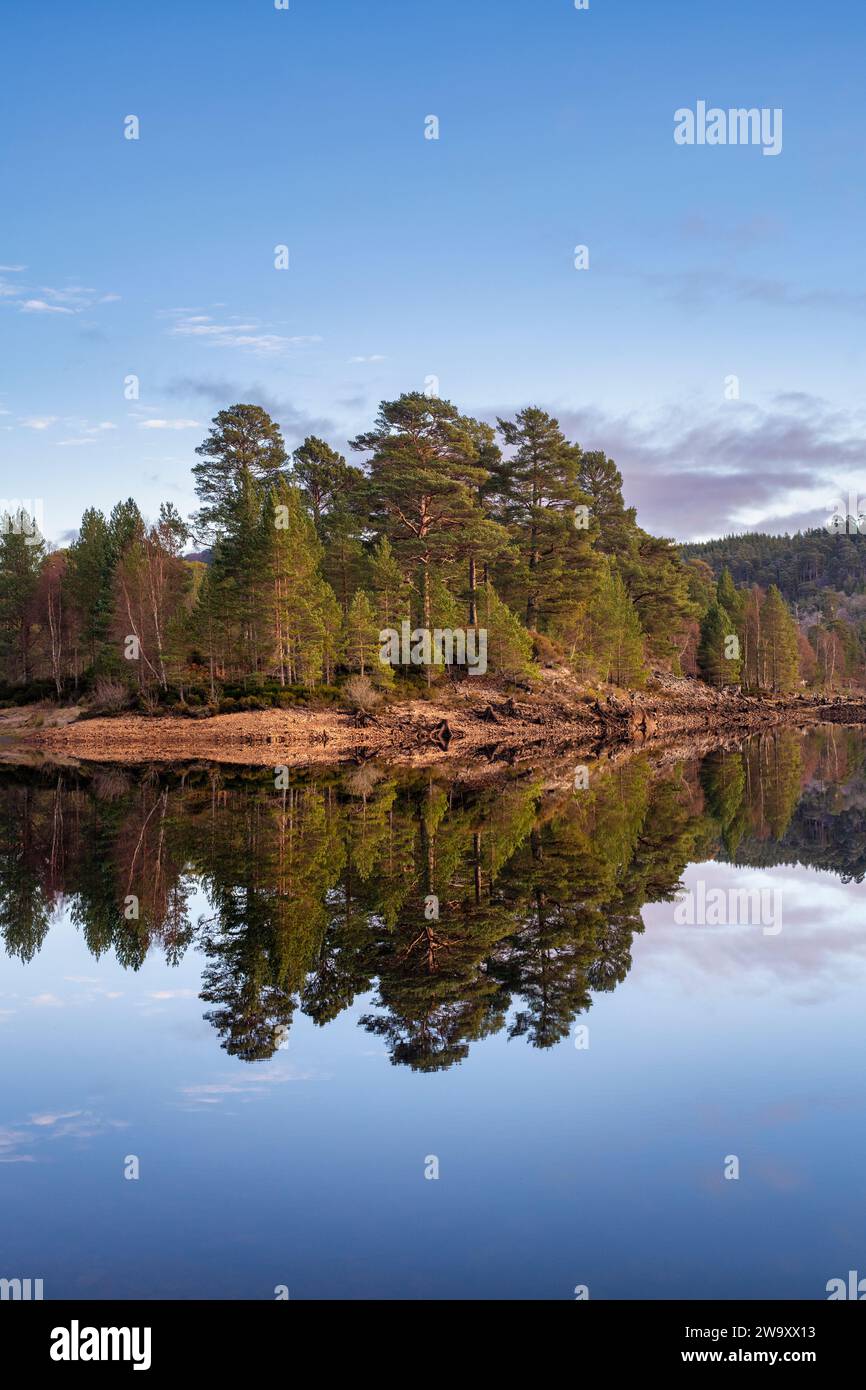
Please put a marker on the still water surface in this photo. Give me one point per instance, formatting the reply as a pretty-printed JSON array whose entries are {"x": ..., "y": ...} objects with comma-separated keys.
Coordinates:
[{"x": 285, "y": 1042}]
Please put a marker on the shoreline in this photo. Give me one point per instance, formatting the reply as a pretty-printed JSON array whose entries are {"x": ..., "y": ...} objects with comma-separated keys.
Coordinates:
[{"x": 489, "y": 724}]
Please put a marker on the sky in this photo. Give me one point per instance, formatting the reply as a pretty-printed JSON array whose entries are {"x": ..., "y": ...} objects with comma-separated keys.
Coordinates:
[{"x": 444, "y": 263}]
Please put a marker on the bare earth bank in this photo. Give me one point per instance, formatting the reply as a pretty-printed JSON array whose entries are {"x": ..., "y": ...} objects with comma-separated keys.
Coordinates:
[{"x": 475, "y": 718}]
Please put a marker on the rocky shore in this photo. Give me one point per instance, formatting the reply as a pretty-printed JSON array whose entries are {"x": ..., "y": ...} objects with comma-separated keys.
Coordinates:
[{"x": 477, "y": 720}]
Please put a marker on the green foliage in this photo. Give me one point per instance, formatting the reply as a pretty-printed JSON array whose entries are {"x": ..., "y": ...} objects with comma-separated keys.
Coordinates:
[
  {"x": 718, "y": 652},
  {"x": 618, "y": 648},
  {"x": 310, "y": 558},
  {"x": 22, "y": 552},
  {"x": 780, "y": 656},
  {"x": 243, "y": 453},
  {"x": 540, "y": 500},
  {"x": 509, "y": 645},
  {"x": 361, "y": 641}
]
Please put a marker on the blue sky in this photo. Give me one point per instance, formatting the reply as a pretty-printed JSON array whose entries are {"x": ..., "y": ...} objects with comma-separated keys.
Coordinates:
[{"x": 412, "y": 258}]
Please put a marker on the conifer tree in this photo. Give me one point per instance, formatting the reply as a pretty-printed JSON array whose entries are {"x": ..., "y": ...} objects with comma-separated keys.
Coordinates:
[
  {"x": 323, "y": 476},
  {"x": 424, "y": 480},
  {"x": 618, "y": 625},
  {"x": 329, "y": 619},
  {"x": 89, "y": 580},
  {"x": 780, "y": 647},
  {"x": 392, "y": 591},
  {"x": 600, "y": 479},
  {"x": 243, "y": 450},
  {"x": 22, "y": 551},
  {"x": 548, "y": 515},
  {"x": 718, "y": 656},
  {"x": 509, "y": 645},
  {"x": 298, "y": 613},
  {"x": 361, "y": 639},
  {"x": 729, "y": 596}
]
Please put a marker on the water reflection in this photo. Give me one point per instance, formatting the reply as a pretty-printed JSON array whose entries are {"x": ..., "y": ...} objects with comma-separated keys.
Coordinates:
[{"x": 467, "y": 909}]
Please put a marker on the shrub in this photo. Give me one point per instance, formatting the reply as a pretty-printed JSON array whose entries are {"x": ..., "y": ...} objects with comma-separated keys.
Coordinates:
[
  {"x": 110, "y": 696},
  {"x": 361, "y": 695},
  {"x": 545, "y": 650}
]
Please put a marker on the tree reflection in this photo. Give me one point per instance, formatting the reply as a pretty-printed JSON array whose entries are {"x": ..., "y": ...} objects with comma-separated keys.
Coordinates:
[{"x": 455, "y": 910}]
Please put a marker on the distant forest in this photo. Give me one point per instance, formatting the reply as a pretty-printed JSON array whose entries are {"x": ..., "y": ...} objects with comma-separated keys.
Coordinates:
[
  {"x": 277, "y": 589},
  {"x": 801, "y": 566}
]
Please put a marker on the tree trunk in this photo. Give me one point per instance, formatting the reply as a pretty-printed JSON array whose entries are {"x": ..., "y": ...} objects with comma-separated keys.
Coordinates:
[{"x": 473, "y": 597}]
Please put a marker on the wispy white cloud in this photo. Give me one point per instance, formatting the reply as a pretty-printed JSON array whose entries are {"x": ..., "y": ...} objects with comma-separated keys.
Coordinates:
[
  {"x": 89, "y": 433},
  {"x": 49, "y": 299},
  {"x": 12, "y": 1141},
  {"x": 248, "y": 337},
  {"x": 374, "y": 357},
  {"x": 168, "y": 425},
  {"x": 39, "y": 306}
]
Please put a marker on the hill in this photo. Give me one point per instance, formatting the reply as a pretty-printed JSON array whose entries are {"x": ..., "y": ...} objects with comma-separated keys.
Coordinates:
[{"x": 801, "y": 566}]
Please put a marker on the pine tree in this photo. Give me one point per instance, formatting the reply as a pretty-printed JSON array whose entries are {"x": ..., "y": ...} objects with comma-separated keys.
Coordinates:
[
  {"x": 541, "y": 501},
  {"x": 361, "y": 639},
  {"x": 509, "y": 645},
  {"x": 298, "y": 607},
  {"x": 780, "y": 647},
  {"x": 323, "y": 476},
  {"x": 624, "y": 646},
  {"x": 240, "y": 560},
  {"x": 729, "y": 596},
  {"x": 424, "y": 480},
  {"x": 206, "y": 628},
  {"x": 718, "y": 651},
  {"x": 345, "y": 561},
  {"x": 392, "y": 592},
  {"x": 22, "y": 551},
  {"x": 658, "y": 585},
  {"x": 329, "y": 619},
  {"x": 91, "y": 566},
  {"x": 243, "y": 449},
  {"x": 600, "y": 479}
]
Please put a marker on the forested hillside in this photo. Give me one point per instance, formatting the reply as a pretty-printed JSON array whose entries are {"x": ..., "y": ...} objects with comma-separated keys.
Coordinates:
[
  {"x": 279, "y": 587},
  {"x": 801, "y": 566},
  {"x": 821, "y": 574}
]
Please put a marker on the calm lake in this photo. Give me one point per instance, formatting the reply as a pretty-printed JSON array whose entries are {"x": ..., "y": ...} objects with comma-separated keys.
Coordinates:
[{"x": 414, "y": 1035}]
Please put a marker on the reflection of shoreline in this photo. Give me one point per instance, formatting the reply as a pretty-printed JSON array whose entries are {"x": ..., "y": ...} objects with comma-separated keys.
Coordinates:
[{"x": 318, "y": 886}]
